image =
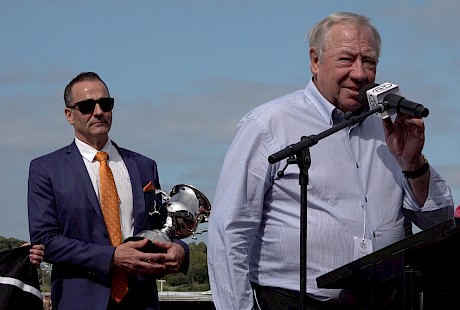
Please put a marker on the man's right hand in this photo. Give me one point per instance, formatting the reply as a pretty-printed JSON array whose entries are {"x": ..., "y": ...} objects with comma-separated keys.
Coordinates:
[{"x": 129, "y": 257}]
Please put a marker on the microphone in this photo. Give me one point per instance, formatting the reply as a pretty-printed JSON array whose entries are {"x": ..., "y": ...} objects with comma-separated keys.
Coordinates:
[{"x": 387, "y": 96}]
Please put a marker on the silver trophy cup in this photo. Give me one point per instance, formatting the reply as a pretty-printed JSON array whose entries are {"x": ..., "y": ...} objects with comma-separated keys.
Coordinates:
[{"x": 187, "y": 207}]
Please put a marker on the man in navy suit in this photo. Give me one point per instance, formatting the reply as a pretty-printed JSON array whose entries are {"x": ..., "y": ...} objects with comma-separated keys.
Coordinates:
[{"x": 65, "y": 215}]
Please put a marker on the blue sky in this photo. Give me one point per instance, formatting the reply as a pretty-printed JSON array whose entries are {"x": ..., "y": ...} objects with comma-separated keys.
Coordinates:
[{"x": 184, "y": 72}]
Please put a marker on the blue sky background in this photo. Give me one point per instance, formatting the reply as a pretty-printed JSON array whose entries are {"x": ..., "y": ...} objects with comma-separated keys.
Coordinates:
[{"x": 184, "y": 72}]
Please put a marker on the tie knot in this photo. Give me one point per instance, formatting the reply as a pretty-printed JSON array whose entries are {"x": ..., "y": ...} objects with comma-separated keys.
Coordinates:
[{"x": 100, "y": 156}]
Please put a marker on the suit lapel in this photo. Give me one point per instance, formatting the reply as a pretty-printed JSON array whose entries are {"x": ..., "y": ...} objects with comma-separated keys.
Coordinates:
[{"x": 78, "y": 166}]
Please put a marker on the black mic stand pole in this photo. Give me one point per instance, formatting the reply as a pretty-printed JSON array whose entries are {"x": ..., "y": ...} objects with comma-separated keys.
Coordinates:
[{"x": 301, "y": 153}]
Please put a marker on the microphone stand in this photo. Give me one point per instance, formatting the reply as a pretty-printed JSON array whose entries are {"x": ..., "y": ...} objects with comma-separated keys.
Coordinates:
[{"x": 299, "y": 153}]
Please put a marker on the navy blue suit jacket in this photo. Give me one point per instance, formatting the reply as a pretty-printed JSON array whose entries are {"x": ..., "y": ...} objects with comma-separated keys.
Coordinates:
[{"x": 65, "y": 216}]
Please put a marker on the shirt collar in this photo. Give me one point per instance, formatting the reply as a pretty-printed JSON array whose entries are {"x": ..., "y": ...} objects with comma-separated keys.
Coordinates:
[
  {"x": 324, "y": 107},
  {"x": 88, "y": 152}
]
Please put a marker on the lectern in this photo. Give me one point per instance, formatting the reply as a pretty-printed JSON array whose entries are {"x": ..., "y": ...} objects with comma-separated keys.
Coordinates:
[{"x": 423, "y": 268}]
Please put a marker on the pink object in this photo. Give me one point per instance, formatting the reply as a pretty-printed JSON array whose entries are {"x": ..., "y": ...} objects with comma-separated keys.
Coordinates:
[{"x": 457, "y": 211}]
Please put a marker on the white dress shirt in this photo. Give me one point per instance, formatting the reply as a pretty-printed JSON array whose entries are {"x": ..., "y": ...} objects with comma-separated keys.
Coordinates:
[{"x": 355, "y": 188}]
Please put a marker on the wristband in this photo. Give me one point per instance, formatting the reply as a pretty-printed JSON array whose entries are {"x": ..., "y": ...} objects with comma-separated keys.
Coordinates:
[{"x": 419, "y": 172}]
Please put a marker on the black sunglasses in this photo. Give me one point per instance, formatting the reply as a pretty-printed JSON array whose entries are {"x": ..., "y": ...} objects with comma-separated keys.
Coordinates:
[{"x": 87, "y": 106}]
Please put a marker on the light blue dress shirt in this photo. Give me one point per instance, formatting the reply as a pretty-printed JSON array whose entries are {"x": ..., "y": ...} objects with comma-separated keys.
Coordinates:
[{"x": 355, "y": 188}]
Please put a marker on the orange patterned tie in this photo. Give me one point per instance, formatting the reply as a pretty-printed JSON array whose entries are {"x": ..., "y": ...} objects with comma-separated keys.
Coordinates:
[{"x": 109, "y": 205}]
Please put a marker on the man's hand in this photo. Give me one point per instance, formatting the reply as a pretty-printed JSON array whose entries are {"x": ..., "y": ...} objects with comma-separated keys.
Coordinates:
[
  {"x": 36, "y": 254},
  {"x": 129, "y": 257},
  {"x": 405, "y": 139},
  {"x": 175, "y": 255}
]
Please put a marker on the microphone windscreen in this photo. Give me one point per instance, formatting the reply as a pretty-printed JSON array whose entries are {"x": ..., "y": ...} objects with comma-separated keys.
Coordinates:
[{"x": 362, "y": 93}]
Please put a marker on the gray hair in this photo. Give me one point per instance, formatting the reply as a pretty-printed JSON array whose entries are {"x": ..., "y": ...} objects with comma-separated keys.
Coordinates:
[{"x": 317, "y": 37}]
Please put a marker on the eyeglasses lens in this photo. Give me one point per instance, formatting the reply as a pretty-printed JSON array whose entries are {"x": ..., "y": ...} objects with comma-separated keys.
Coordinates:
[{"x": 88, "y": 106}]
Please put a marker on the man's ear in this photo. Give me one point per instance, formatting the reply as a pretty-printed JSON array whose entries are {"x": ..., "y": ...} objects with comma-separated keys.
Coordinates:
[
  {"x": 314, "y": 60},
  {"x": 68, "y": 115}
]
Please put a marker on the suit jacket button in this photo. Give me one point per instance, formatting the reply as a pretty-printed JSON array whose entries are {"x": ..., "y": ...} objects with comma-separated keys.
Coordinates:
[{"x": 106, "y": 235}]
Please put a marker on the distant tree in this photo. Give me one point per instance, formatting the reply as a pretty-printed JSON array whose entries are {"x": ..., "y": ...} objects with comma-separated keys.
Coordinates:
[
  {"x": 10, "y": 243},
  {"x": 176, "y": 280},
  {"x": 198, "y": 271}
]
